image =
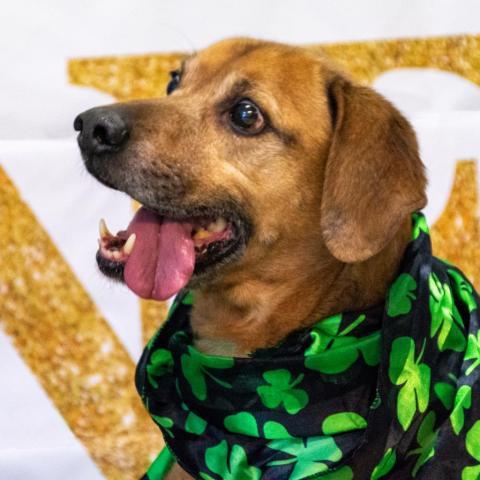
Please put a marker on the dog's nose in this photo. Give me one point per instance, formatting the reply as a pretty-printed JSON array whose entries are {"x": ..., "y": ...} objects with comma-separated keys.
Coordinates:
[{"x": 101, "y": 130}]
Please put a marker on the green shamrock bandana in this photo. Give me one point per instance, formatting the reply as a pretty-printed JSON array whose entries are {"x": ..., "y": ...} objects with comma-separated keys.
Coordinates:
[{"x": 390, "y": 392}]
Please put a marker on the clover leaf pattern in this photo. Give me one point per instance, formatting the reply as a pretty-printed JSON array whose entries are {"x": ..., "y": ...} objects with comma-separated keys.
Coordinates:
[
  {"x": 446, "y": 320},
  {"x": 164, "y": 422},
  {"x": 473, "y": 352},
  {"x": 161, "y": 362},
  {"x": 281, "y": 391},
  {"x": 343, "y": 422},
  {"x": 463, "y": 401},
  {"x": 343, "y": 473},
  {"x": 426, "y": 438},
  {"x": 401, "y": 295},
  {"x": 412, "y": 376},
  {"x": 385, "y": 465},
  {"x": 472, "y": 444},
  {"x": 419, "y": 225},
  {"x": 463, "y": 288},
  {"x": 193, "y": 423},
  {"x": 196, "y": 367},
  {"x": 333, "y": 351},
  {"x": 242, "y": 422},
  {"x": 229, "y": 464},
  {"x": 445, "y": 393},
  {"x": 309, "y": 456}
]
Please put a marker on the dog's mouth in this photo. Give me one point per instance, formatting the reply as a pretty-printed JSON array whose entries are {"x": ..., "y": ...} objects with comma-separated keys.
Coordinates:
[{"x": 158, "y": 255}]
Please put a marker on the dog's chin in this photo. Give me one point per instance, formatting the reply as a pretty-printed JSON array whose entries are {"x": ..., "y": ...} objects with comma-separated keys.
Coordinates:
[{"x": 224, "y": 234}]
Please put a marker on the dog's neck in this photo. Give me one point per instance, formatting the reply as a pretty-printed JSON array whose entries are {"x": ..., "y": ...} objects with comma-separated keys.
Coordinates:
[{"x": 236, "y": 318}]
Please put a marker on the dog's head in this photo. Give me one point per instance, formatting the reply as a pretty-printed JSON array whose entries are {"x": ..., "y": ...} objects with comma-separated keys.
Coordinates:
[{"x": 260, "y": 153}]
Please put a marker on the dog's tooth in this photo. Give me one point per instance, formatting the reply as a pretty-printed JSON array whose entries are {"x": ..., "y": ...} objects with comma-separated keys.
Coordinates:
[
  {"x": 104, "y": 231},
  {"x": 201, "y": 234},
  {"x": 128, "y": 247},
  {"x": 219, "y": 225}
]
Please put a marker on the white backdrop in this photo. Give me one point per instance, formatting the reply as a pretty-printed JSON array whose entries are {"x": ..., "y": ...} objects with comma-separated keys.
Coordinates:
[{"x": 38, "y": 149}]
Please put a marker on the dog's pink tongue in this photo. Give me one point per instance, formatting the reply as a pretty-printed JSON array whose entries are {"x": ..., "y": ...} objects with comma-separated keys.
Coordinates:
[{"x": 163, "y": 257}]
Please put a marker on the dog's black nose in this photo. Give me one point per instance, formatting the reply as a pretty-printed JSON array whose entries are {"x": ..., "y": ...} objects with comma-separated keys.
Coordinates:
[{"x": 101, "y": 130}]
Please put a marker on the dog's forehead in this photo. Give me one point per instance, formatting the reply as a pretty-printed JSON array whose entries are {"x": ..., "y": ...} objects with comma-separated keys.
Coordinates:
[{"x": 282, "y": 66}]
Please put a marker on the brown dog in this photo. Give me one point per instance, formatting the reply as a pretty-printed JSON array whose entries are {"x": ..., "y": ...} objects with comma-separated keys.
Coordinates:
[{"x": 292, "y": 184}]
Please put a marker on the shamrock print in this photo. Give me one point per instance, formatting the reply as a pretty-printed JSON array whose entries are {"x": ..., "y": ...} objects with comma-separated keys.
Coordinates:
[
  {"x": 412, "y": 376},
  {"x": 343, "y": 422},
  {"x": 426, "y": 438},
  {"x": 333, "y": 351},
  {"x": 446, "y": 393},
  {"x": 472, "y": 443},
  {"x": 195, "y": 366},
  {"x": 446, "y": 320},
  {"x": 344, "y": 473},
  {"x": 245, "y": 423},
  {"x": 419, "y": 225},
  {"x": 194, "y": 424},
  {"x": 473, "y": 352},
  {"x": 463, "y": 401},
  {"x": 281, "y": 390},
  {"x": 161, "y": 362},
  {"x": 308, "y": 455},
  {"x": 229, "y": 466},
  {"x": 464, "y": 289},
  {"x": 164, "y": 422},
  {"x": 401, "y": 295},
  {"x": 385, "y": 465}
]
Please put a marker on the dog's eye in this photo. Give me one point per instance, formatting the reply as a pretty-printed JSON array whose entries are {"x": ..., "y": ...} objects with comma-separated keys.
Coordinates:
[
  {"x": 174, "y": 81},
  {"x": 246, "y": 117}
]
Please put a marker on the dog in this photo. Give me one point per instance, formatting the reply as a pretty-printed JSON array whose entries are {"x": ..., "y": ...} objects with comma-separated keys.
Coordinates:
[{"x": 273, "y": 186}]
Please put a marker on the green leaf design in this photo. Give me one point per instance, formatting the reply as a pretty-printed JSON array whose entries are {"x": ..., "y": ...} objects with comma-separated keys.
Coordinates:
[
  {"x": 473, "y": 352},
  {"x": 231, "y": 465},
  {"x": 281, "y": 390},
  {"x": 205, "y": 476},
  {"x": 420, "y": 225},
  {"x": 472, "y": 444},
  {"x": 308, "y": 456},
  {"x": 164, "y": 422},
  {"x": 401, "y": 295},
  {"x": 195, "y": 366},
  {"x": 161, "y": 362},
  {"x": 333, "y": 352},
  {"x": 412, "y": 376},
  {"x": 463, "y": 289},
  {"x": 426, "y": 438},
  {"x": 242, "y": 422},
  {"x": 195, "y": 424},
  {"x": 275, "y": 431},
  {"x": 446, "y": 320},
  {"x": 343, "y": 473},
  {"x": 446, "y": 393},
  {"x": 343, "y": 422},
  {"x": 385, "y": 465},
  {"x": 471, "y": 473},
  {"x": 463, "y": 401},
  {"x": 188, "y": 299}
]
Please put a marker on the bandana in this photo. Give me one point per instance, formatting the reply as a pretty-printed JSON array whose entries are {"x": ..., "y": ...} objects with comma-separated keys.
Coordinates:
[{"x": 389, "y": 392}]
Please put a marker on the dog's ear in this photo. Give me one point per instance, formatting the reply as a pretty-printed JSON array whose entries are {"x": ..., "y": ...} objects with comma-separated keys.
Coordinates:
[{"x": 374, "y": 177}]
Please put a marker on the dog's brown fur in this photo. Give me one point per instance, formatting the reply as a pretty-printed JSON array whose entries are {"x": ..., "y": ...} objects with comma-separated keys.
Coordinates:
[{"x": 329, "y": 189}]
